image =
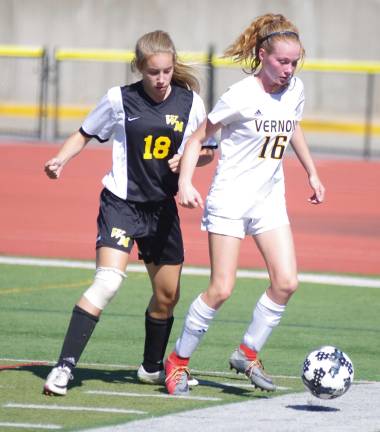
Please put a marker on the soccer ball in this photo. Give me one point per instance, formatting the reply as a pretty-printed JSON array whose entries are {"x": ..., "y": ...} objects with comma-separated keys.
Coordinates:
[{"x": 327, "y": 372}]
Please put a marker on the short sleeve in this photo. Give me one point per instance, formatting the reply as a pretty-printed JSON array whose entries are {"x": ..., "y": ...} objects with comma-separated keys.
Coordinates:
[
  {"x": 224, "y": 112},
  {"x": 196, "y": 117},
  {"x": 100, "y": 122}
]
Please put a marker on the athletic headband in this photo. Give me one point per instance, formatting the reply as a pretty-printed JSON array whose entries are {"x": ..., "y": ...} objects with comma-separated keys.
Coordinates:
[{"x": 279, "y": 33}]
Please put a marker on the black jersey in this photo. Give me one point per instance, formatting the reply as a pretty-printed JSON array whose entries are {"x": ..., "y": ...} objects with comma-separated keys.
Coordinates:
[{"x": 146, "y": 134}]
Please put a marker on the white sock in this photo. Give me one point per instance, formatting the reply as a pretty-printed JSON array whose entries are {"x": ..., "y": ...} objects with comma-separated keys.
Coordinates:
[
  {"x": 266, "y": 315},
  {"x": 195, "y": 326}
]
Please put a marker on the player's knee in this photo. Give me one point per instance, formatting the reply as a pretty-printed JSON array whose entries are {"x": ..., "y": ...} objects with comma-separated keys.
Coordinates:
[
  {"x": 171, "y": 299},
  {"x": 167, "y": 297},
  {"x": 287, "y": 285},
  {"x": 106, "y": 283},
  {"x": 218, "y": 295},
  {"x": 220, "y": 288}
]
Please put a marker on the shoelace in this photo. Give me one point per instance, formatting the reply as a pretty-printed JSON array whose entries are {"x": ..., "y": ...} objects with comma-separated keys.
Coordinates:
[
  {"x": 177, "y": 373},
  {"x": 65, "y": 373},
  {"x": 255, "y": 363}
]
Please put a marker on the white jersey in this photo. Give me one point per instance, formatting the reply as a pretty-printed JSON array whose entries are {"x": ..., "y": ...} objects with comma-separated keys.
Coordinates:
[{"x": 257, "y": 127}]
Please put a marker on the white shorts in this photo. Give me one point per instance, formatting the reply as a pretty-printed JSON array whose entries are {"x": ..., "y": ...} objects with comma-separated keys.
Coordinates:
[{"x": 268, "y": 215}]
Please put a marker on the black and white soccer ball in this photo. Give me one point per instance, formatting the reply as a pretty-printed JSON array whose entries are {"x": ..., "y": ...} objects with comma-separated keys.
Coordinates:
[{"x": 327, "y": 372}]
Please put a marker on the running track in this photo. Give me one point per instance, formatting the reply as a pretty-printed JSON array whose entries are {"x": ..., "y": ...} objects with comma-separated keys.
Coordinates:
[{"x": 45, "y": 218}]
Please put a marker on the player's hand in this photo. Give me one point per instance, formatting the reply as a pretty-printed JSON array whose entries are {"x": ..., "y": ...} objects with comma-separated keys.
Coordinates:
[
  {"x": 189, "y": 197},
  {"x": 53, "y": 168},
  {"x": 318, "y": 188},
  {"x": 175, "y": 163}
]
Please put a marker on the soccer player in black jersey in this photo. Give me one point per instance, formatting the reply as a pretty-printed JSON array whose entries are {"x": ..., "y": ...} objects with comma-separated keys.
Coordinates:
[{"x": 149, "y": 122}]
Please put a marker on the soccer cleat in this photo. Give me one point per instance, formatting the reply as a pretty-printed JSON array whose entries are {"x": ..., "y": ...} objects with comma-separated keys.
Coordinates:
[
  {"x": 57, "y": 380},
  {"x": 150, "y": 377},
  {"x": 176, "y": 378},
  {"x": 253, "y": 369}
]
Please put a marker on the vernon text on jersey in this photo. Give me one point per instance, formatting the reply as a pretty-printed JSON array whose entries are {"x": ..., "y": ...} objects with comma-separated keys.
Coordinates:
[{"x": 275, "y": 126}]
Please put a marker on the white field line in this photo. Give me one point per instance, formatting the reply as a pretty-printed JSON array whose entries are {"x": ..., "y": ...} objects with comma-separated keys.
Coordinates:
[
  {"x": 73, "y": 408},
  {"x": 150, "y": 395},
  {"x": 134, "y": 367},
  {"x": 247, "y": 385},
  {"x": 129, "y": 367},
  {"x": 349, "y": 281},
  {"x": 30, "y": 425}
]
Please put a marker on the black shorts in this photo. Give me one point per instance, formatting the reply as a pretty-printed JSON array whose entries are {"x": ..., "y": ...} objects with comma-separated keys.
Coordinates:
[{"x": 153, "y": 225}]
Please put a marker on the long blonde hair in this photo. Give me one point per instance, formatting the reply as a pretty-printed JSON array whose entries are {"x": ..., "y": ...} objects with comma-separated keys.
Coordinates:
[
  {"x": 160, "y": 42},
  {"x": 262, "y": 33}
]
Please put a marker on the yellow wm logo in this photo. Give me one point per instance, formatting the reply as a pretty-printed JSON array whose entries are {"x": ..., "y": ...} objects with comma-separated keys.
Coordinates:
[
  {"x": 171, "y": 119},
  {"x": 120, "y": 234}
]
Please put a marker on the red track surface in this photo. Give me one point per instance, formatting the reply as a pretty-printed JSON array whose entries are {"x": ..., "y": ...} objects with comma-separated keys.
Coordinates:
[{"x": 46, "y": 218}]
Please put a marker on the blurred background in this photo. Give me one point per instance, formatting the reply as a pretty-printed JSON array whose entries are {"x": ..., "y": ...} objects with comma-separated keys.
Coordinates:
[{"x": 57, "y": 58}]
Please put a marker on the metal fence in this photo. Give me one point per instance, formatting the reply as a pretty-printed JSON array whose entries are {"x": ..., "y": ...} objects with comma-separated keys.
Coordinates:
[
  {"x": 13, "y": 59},
  {"x": 57, "y": 101}
]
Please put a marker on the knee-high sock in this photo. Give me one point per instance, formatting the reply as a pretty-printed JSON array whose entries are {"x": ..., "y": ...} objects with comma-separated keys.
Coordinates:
[
  {"x": 80, "y": 329},
  {"x": 266, "y": 315},
  {"x": 157, "y": 332},
  {"x": 196, "y": 325}
]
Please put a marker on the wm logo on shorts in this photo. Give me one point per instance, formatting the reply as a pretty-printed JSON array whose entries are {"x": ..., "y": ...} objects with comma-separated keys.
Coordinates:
[
  {"x": 120, "y": 234},
  {"x": 171, "y": 120}
]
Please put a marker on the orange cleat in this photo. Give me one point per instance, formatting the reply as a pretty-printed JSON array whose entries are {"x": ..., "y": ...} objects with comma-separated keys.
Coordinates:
[{"x": 177, "y": 374}]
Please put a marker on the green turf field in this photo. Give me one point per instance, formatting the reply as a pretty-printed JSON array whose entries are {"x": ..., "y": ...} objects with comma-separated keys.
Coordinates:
[{"x": 35, "y": 306}]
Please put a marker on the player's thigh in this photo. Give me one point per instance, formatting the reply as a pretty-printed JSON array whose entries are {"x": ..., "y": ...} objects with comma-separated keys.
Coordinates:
[
  {"x": 277, "y": 249},
  {"x": 224, "y": 239},
  {"x": 114, "y": 258},
  {"x": 224, "y": 255}
]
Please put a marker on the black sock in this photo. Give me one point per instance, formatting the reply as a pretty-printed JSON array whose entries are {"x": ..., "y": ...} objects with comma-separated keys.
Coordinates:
[
  {"x": 157, "y": 334},
  {"x": 80, "y": 329}
]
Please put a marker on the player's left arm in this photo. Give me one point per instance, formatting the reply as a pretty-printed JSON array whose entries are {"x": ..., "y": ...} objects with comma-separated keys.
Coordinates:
[
  {"x": 206, "y": 155},
  {"x": 302, "y": 151}
]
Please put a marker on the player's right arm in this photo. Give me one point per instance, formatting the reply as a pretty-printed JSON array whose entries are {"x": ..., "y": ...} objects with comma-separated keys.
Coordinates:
[
  {"x": 188, "y": 196},
  {"x": 70, "y": 148}
]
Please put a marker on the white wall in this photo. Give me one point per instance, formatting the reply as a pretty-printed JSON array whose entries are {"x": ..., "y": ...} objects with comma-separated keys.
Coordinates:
[
  {"x": 345, "y": 29},
  {"x": 330, "y": 29}
]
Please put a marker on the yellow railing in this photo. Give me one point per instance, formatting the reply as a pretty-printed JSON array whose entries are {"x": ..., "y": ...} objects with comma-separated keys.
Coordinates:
[
  {"x": 216, "y": 60},
  {"x": 37, "y": 111},
  {"x": 343, "y": 66},
  {"x": 209, "y": 60},
  {"x": 121, "y": 56},
  {"x": 101, "y": 55},
  {"x": 21, "y": 51}
]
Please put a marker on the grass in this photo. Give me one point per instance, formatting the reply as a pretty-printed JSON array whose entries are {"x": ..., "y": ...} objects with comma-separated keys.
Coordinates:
[{"x": 36, "y": 303}]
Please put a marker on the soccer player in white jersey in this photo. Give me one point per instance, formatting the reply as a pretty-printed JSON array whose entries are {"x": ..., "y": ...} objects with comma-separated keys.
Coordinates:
[
  {"x": 149, "y": 122},
  {"x": 258, "y": 117}
]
